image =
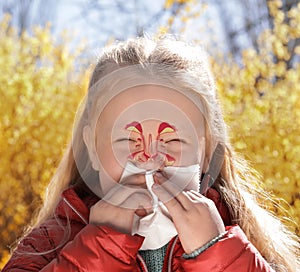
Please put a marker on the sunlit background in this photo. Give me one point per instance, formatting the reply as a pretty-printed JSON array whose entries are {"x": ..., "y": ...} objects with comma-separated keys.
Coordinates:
[{"x": 47, "y": 51}]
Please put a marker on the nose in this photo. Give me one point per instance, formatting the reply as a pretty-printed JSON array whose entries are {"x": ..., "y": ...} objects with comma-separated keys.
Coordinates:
[{"x": 150, "y": 147}]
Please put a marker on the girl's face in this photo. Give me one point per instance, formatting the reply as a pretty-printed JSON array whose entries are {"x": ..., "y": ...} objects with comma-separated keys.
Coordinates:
[{"x": 151, "y": 125}]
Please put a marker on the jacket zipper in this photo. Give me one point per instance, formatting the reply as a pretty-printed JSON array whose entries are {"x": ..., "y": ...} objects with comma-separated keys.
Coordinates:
[
  {"x": 75, "y": 211},
  {"x": 144, "y": 266},
  {"x": 171, "y": 255}
]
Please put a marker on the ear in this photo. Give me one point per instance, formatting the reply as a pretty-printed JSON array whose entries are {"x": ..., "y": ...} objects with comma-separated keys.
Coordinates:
[{"x": 90, "y": 145}]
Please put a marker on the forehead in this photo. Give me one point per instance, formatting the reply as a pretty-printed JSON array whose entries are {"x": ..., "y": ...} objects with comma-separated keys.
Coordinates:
[{"x": 150, "y": 102}]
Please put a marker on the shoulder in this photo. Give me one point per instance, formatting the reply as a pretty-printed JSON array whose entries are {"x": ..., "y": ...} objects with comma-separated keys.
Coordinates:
[
  {"x": 44, "y": 242},
  {"x": 73, "y": 208},
  {"x": 233, "y": 252},
  {"x": 70, "y": 216}
]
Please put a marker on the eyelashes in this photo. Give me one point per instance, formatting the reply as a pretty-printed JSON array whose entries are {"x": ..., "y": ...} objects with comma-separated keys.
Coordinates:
[
  {"x": 132, "y": 140},
  {"x": 126, "y": 140},
  {"x": 173, "y": 141}
]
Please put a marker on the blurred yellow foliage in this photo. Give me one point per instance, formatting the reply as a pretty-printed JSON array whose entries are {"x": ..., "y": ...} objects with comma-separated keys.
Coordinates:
[
  {"x": 181, "y": 13},
  {"x": 261, "y": 100},
  {"x": 39, "y": 93},
  {"x": 260, "y": 95}
]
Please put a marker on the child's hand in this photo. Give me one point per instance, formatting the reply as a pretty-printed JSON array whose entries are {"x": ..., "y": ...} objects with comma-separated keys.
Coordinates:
[
  {"x": 118, "y": 206},
  {"x": 195, "y": 217}
]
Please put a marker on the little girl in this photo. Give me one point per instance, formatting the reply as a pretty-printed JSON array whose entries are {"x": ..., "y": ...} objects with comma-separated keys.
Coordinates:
[{"x": 149, "y": 181}]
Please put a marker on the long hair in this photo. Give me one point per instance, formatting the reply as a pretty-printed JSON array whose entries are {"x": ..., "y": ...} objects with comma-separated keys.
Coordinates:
[{"x": 236, "y": 183}]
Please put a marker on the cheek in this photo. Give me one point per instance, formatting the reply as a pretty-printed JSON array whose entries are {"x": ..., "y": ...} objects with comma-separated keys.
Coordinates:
[
  {"x": 184, "y": 156},
  {"x": 111, "y": 168},
  {"x": 189, "y": 153}
]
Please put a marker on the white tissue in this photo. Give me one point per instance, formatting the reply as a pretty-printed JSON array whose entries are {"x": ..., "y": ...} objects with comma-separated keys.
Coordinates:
[{"x": 157, "y": 228}]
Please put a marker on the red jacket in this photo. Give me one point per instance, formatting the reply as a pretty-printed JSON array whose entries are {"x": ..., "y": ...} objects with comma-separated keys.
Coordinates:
[{"x": 100, "y": 248}]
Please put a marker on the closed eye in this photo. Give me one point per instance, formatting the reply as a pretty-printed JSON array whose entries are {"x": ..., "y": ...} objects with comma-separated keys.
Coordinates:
[
  {"x": 125, "y": 140},
  {"x": 175, "y": 140}
]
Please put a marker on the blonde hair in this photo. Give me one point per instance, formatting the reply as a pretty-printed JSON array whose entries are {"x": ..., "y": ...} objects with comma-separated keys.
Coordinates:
[{"x": 236, "y": 182}]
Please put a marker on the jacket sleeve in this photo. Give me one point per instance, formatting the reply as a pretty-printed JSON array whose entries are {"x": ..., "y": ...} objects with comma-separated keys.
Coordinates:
[
  {"x": 94, "y": 248},
  {"x": 98, "y": 249},
  {"x": 232, "y": 253}
]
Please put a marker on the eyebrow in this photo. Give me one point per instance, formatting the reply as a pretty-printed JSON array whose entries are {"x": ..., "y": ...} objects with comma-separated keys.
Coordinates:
[
  {"x": 134, "y": 126},
  {"x": 166, "y": 127}
]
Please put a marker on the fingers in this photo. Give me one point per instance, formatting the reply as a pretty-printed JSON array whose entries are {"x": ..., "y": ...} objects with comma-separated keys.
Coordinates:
[
  {"x": 174, "y": 199},
  {"x": 130, "y": 195},
  {"x": 119, "y": 193},
  {"x": 195, "y": 196},
  {"x": 142, "y": 212},
  {"x": 138, "y": 202},
  {"x": 162, "y": 179},
  {"x": 134, "y": 180},
  {"x": 173, "y": 205},
  {"x": 172, "y": 192}
]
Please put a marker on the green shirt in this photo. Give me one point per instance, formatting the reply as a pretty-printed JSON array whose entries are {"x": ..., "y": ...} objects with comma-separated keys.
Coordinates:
[{"x": 154, "y": 259}]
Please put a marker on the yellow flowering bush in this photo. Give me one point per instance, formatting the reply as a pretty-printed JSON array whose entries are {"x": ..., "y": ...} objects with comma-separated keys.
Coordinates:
[
  {"x": 39, "y": 93},
  {"x": 260, "y": 94},
  {"x": 261, "y": 99}
]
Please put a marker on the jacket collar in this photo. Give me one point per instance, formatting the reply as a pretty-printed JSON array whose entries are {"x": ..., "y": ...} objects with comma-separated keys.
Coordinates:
[
  {"x": 73, "y": 207},
  {"x": 215, "y": 196}
]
